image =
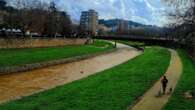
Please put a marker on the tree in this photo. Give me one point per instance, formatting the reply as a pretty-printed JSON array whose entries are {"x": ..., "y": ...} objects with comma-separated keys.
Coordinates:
[
  {"x": 36, "y": 16},
  {"x": 66, "y": 24},
  {"x": 182, "y": 13},
  {"x": 183, "y": 17},
  {"x": 181, "y": 10},
  {"x": 2, "y": 4},
  {"x": 52, "y": 20}
]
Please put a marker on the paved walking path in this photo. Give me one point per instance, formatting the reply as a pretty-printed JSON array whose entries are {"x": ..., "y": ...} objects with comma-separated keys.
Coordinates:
[
  {"x": 149, "y": 100},
  {"x": 14, "y": 86}
]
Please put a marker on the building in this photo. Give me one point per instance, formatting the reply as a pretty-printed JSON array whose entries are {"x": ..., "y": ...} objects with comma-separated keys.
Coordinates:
[
  {"x": 102, "y": 29},
  {"x": 89, "y": 21},
  {"x": 122, "y": 25}
]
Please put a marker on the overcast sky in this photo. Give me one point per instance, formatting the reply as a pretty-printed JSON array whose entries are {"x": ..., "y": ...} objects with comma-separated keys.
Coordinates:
[{"x": 142, "y": 11}]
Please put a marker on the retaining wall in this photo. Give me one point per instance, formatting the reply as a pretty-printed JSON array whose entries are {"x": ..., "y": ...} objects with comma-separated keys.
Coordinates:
[{"x": 38, "y": 42}]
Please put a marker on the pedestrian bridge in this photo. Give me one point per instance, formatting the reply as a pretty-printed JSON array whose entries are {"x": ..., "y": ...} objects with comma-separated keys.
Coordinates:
[{"x": 147, "y": 40}]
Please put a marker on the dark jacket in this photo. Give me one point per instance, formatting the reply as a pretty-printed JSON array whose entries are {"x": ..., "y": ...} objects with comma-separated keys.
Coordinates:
[{"x": 164, "y": 81}]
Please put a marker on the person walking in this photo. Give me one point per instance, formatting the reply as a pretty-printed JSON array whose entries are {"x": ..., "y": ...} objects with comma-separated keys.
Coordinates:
[{"x": 164, "y": 82}]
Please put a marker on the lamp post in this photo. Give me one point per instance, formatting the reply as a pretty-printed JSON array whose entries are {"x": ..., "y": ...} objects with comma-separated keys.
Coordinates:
[{"x": 115, "y": 44}]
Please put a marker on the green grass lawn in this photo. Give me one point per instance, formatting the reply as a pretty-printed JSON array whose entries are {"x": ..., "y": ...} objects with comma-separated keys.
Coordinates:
[
  {"x": 112, "y": 89},
  {"x": 186, "y": 82},
  {"x": 17, "y": 57}
]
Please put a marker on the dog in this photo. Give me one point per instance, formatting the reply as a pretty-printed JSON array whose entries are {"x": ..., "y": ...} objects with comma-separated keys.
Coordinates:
[{"x": 170, "y": 90}]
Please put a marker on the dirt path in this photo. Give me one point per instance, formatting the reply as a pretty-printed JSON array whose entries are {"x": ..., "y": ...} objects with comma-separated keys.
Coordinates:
[
  {"x": 149, "y": 101},
  {"x": 17, "y": 85}
]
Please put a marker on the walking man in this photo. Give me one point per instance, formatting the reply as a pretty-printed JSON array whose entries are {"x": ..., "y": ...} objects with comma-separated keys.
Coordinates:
[{"x": 164, "y": 82}]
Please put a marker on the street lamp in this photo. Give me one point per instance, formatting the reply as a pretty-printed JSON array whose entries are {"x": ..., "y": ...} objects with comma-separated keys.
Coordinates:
[{"x": 115, "y": 44}]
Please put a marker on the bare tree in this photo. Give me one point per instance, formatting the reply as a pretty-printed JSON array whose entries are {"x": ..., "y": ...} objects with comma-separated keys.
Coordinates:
[
  {"x": 183, "y": 16},
  {"x": 39, "y": 17}
]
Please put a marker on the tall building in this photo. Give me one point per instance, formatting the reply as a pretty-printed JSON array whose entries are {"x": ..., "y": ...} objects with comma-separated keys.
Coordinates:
[{"x": 89, "y": 21}]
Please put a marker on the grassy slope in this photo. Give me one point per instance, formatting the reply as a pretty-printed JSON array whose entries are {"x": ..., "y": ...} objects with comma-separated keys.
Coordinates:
[
  {"x": 187, "y": 82},
  {"x": 13, "y": 57},
  {"x": 112, "y": 89}
]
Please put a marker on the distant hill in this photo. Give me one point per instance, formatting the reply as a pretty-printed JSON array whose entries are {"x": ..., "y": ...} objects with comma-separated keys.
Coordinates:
[
  {"x": 113, "y": 22},
  {"x": 150, "y": 28}
]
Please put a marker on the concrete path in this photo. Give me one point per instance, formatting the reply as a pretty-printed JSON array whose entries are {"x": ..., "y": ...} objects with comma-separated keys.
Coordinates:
[
  {"x": 149, "y": 101},
  {"x": 15, "y": 86}
]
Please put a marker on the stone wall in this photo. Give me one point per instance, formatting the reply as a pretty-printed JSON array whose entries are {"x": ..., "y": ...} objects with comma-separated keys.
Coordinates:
[{"x": 37, "y": 42}]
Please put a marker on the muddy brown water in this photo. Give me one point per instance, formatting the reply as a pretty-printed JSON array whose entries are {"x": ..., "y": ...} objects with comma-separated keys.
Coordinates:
[{"x": 15, "y": 86}]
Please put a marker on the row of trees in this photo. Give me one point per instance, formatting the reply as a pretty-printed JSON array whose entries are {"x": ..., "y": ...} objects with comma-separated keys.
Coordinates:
[
  {"x": 137, "y": 32},
  {"x": 36, "y": 16}
]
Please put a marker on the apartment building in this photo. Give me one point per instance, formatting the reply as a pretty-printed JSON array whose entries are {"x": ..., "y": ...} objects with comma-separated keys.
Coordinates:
[{"x": 89, "y": 21}]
